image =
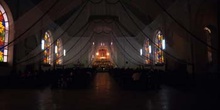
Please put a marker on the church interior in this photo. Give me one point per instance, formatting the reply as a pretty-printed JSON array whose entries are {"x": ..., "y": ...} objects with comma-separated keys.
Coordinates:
[{"x": 109, "y": 54}]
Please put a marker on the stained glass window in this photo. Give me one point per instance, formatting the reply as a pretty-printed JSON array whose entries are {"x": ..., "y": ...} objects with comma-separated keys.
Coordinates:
[
  {"x": 58, "y": 52},
  {"x": 209, "y": 42},
  {"x": 47, "y": 55},
  {"x": 159, "y": 57},
  {"x": 147, "y": 48},
  {"x": 4, "y": 28}
]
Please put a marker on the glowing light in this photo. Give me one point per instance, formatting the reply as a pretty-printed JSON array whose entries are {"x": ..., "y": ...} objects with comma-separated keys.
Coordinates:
[
  {"x": 207, "y": 29},
  {"x": 97, "y": 53},
  {"x": 5, "y": 59},
  {"x": 141, "y": 52},
  {"x": 149, "y": 48},
  {"x": 64, "y": 52},
  {"x": 42, "y": 44},
  {"x": 163, "y": 44},
  {"x": 93, "y": 43},
  {"x": 108, "y": 54},
  {"x": 102, "y": 57},
  {"x": 5, "y": 52},
  {"x": 55, "y": 49},
  {"x": 111, "y": 43}
]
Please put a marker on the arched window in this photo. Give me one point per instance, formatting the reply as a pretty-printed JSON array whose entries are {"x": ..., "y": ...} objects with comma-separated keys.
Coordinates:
[
  {"x": 4, "y": 30},
  {"x": 58, "y": 52},
  {"x": 147, "y": 48},
  {"x": 159, "y": 41},
  {"x": 47, "y": 55},
  {"x": 209, "y": 42}
]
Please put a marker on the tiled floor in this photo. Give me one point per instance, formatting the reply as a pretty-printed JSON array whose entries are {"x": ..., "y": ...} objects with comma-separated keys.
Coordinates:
[{"x": 105, "y": 94}]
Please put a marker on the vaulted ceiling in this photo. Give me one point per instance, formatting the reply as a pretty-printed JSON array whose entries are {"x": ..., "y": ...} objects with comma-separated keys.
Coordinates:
[{"x": 63, "y": 12}]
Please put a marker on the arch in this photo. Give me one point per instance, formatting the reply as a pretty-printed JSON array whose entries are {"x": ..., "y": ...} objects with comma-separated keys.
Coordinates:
[
  {"x": 59, "y": 52},
  {"x": 208, "y": 33},
  {"x": 158, "y": 52},
  {"x": 147, "y": 49},
  {"x": 6, "y": 34},
  {"x": 47, "y": 54}
]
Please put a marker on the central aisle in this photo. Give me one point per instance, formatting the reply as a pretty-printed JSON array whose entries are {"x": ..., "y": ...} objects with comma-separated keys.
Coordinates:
[
  {"x": 104, "y": 94},
  {"x": 103, "y": 83}
]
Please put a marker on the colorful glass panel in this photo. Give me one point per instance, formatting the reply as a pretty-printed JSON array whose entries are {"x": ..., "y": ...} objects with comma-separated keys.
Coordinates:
[
  {"x": 3, "y": 35},
  {"x": 59, "y": 52},
  {"x": 147, "y": 52},
  {"x": 47, "y": 48},
  {"x": 159, "y": 58}
]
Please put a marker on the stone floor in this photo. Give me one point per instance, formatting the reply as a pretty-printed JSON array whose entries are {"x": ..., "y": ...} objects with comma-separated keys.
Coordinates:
[{"x": 105, "y": 94}]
